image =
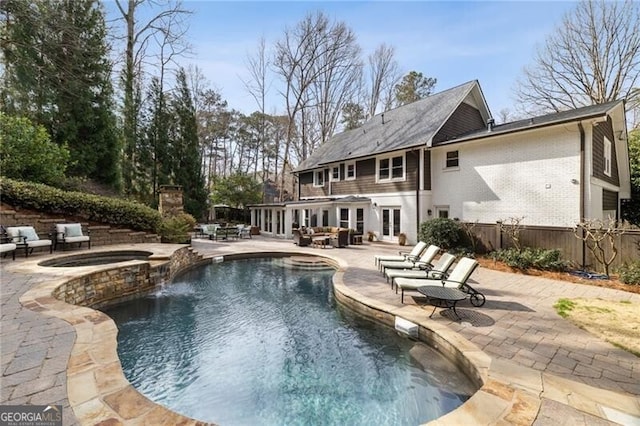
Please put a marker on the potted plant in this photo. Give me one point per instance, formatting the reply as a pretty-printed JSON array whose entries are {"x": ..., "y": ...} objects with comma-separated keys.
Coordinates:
[
  {"x": 371, "y": 235},
  {"x": 402, "y": 238}
]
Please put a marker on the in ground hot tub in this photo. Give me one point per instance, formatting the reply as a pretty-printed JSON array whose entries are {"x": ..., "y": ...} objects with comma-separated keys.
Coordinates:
[{"x": 96, "y": 258}]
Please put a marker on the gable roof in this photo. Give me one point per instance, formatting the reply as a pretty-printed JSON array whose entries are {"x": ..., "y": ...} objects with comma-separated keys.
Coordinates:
[
  {"x": 577, "y": 114},
  {"x": 404, "y": 127}
]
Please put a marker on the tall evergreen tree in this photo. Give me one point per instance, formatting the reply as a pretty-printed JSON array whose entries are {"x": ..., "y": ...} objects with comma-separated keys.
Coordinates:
[
  {"x": 58, "y": 73},
  {"x": 187, "y": 169}
]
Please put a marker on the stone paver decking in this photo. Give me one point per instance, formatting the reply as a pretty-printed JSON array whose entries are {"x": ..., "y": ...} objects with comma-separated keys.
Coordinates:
[{"x": 517, "y": 327}]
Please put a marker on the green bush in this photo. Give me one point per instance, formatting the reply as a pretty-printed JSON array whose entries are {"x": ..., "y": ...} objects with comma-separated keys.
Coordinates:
[
  {"x": 175, "y": 229},
  {"x": 528, "y": 257},
  {"x": 27, "y": 153},
  {"x": 96, "y": 208},
  {"x": 629, "y": 273},
  {"x": 442, "y": 232}
]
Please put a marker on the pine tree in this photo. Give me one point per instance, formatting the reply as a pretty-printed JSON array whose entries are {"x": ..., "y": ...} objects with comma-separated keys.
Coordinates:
[
  {"x": 58, "y": 73},
  {"x": 187, "y": 169}
]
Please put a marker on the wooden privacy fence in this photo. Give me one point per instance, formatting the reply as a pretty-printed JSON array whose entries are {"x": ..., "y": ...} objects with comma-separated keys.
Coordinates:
[{"x": 572, "y": 249}]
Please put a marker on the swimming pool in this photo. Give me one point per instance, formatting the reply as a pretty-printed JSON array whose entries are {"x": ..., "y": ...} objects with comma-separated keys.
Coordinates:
[{"x": 256, "y": 342}]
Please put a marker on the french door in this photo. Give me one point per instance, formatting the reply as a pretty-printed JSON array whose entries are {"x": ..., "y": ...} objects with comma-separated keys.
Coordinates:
[{"x": 390, "y": 222}]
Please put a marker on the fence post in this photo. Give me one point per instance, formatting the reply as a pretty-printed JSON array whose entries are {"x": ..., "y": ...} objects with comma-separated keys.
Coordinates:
[{"x": 498, "y": 235}]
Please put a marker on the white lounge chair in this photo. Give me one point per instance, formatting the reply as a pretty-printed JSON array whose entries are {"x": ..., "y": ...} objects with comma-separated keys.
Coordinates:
[
  {"x": 414, "y": 253},
  {"x": 423, "y": 262},
  {"x": 439, "y": 270},
  {"x": 26, "y": 237},
  {"x": 457, "y": 278}
]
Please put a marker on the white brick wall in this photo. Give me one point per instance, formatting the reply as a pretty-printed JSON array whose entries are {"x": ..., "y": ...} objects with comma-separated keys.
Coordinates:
[{"x": 529, "y": 175}]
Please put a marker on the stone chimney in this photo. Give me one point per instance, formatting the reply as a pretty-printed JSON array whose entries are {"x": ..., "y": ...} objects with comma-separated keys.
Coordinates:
[{"x": 171, "y": 202}]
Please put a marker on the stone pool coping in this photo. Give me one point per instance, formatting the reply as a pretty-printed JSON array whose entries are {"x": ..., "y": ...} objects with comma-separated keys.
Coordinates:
[{"x": 99, "y": 392}]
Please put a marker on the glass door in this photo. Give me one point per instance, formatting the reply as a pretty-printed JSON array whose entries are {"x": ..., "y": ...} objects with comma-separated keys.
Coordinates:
[{"x": 390, "y": 223}]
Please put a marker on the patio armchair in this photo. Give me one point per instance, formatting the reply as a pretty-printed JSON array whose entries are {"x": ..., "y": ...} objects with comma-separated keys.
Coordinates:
[
  {"x": 340, "y": 239},
  {"x": 209, "y": 231},
  {"x": 26, "y": 237},
  {"x": 300, "y": 239},
  {"x": 243, "y": 231},
  {"x": 6, "y": 246},
  {"x": 70, "y": 233}
]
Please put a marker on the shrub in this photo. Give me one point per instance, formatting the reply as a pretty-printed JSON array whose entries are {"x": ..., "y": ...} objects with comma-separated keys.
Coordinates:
[
  {"x": 114, "y": 211},
  {"x": 528, "y": 257},
  {"x": 442, "y": 232},
  {"x": 26, "y": 152},
  {"x": 175, "y": 229},
  {"x": 629, "y": 273}
]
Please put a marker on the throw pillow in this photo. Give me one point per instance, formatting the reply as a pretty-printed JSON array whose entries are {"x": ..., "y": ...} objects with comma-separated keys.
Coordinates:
[
  {"x": 29, "y": 233},
  {"x": 310, "y": 231},
  {"x": 74, "y": 230}
]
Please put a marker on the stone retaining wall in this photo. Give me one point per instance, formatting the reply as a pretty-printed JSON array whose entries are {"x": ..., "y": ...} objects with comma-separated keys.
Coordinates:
[
  {"x": 101, "y": 235},
  {"x": 125, "y": 282}
]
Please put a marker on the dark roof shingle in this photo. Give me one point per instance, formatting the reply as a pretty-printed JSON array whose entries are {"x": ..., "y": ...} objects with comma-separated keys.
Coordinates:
[{"x": 404, "y": 127}]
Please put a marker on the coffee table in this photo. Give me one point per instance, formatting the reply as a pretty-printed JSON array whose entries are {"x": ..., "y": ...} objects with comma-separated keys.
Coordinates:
[
  {"x": 320, "y": 241},
  {"x": 443, "y": 297}
]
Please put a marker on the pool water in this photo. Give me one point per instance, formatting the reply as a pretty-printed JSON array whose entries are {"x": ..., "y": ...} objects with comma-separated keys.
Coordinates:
[{"x": 252, "y": 342}]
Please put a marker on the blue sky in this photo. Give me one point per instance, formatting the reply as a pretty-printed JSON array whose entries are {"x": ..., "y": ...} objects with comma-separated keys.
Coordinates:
[{"x": 453, "y": 41}]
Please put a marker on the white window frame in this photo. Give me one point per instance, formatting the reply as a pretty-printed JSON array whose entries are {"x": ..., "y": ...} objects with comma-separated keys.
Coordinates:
[
  {"x": 390, "y": 177},
  {"x": 606, "y": 155},
  {"x": 446, "y": 160},
  {"x": 346, "y": 170},
  {"x": 318, "y": 183},
  {"x": 331, "y": 175}
]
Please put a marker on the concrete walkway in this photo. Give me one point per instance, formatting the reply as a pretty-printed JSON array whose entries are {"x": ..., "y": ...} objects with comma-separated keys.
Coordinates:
[{"x": 517, "y": 326}]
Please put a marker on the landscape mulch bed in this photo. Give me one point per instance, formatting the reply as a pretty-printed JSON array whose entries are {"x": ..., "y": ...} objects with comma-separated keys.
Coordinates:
[{"x": 564, "y": 276}]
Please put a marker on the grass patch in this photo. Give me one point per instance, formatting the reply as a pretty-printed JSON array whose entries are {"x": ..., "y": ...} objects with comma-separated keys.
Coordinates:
[
  {"x": 564, "y": 306},
  {"x": 615, "y": 322}
]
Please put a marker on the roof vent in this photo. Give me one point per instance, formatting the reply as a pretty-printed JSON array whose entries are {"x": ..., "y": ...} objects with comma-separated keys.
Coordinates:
[
  {"x": 490, "y": 123},
  {"x": 382, "y": 115}
]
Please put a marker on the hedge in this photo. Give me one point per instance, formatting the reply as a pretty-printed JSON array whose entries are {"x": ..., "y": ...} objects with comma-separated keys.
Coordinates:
[{"x": 114, "y": 211}]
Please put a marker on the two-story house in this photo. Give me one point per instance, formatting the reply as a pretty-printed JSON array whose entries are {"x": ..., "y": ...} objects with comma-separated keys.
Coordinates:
[{"x": 442, "y": 156}]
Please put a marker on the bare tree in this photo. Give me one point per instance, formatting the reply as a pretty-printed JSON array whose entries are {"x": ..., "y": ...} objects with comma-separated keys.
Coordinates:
[
  {"x": 383, "y": 76},
  {"x": 258, "y": 87},
  {"x": 601, "y": 238},
  {"x": 339, "y": 70},
  {"x": 303, "y": 55},
  {"x": 593, "y": 57},
  {"x": 169, "y": 21},
  {"x": 512, "y": 227}
]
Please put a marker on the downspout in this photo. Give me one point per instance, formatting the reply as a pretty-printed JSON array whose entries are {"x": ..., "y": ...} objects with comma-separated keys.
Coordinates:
[
  {"x": 417, "y": 154},
  {"x": 582, "y": 186}
]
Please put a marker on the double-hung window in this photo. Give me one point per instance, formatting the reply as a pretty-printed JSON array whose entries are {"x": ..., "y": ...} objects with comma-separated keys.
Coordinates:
[
  {"x": 391, "y": 168},
  {"x": 452, "y": 159},
  {"x": 607, "y": 157},
  {"x": 335, "y": 173},
  {"x": 318, "y": 178},
  {"x": 350, "y": 171}
]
